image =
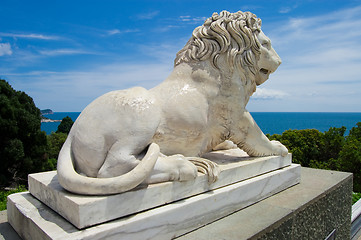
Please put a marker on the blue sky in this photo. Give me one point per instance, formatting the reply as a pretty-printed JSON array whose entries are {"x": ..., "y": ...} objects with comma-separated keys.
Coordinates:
[{"x": 66, "y": 53}]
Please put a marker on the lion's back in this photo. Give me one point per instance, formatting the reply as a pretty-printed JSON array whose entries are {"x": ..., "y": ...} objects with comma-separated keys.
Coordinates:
[{"x": 118, "y": 114}]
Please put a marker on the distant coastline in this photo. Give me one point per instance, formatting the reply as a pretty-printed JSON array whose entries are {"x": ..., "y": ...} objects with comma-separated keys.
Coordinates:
[
  {"x": 47, "y": 120},
  {"x": 50, "y": 122},
  {"x": 46, "y": 111}
]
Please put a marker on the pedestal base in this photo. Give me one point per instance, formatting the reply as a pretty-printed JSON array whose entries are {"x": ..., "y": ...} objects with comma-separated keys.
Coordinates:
[
  {"x": 33, "y": 220},
  {"x": 84, "y": 211}
]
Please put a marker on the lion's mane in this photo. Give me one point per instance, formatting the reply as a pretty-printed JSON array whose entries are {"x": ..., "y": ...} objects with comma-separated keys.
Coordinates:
[{"x": 230, "y": 33}]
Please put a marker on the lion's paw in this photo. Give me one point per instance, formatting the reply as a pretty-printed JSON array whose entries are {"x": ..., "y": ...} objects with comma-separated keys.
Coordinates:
[
  {"x": 184, "y": 169},
  {"x": 279, "y": 149}
]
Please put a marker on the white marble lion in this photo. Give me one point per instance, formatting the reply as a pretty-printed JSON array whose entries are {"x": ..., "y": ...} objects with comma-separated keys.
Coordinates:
[{"x": 133, "y": 136}]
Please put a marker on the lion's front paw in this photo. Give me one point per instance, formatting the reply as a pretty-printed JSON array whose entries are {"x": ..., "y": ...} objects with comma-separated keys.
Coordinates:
[
  {"x": 188, "y": 171},
  {"x": 278, "y": 148},
  {"x": 183, "y": 170}
]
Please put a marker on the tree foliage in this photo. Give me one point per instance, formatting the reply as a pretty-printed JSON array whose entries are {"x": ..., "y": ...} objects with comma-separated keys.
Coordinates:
[
  {"x": 23, "y": 144},
  {"x": 55, "y": 142},
  {"x": 65, "y": 125},
  {"x": 304, "y": 144},
  {"x": 350, "y": 156},
  {"x": 329, "y": 150}
]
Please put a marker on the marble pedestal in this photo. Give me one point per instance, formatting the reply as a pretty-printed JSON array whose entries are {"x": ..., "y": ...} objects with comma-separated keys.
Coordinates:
[
  {"x": 32, "y": 219},
  {"x": 84, "y": 211}
]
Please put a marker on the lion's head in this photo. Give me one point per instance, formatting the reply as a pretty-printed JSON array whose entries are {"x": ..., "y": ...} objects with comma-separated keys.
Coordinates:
[{"x": 238, "y": 36}]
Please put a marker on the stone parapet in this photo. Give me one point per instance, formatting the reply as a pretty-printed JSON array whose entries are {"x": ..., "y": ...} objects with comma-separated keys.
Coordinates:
[{"x": 314, "y": 209}]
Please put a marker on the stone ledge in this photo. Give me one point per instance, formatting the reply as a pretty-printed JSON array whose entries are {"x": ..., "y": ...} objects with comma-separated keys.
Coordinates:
[
  {"x": 84, "y": 211},
  {"x": 266, "y": 216},
  {"x": 33, "y": 220}
]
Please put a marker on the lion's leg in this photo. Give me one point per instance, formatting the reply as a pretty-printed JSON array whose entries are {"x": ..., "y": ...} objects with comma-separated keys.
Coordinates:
[
  {"x": 255, "y": 143},
  {"x": 167, "y": 168},
  {"x": 118, "y": 161},
  {"x": 172, "y": 168}
]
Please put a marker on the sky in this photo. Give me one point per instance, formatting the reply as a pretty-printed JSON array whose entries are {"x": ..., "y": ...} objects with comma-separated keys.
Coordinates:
[{"x": 64, "y": 54}]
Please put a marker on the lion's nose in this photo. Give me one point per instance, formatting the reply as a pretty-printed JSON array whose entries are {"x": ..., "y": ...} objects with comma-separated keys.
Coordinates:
[
  {"x": 279, "y": 61},
  {"x": 276, "y": 57}
]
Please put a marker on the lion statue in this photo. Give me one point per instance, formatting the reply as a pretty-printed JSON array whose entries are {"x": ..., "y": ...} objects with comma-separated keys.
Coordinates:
[{"x": 136, "y": 136}]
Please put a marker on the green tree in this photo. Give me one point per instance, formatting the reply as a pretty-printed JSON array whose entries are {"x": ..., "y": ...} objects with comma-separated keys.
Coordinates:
[
  {"x": 350, "y": 156},
  {"x": 23, "y": 145},
  {"x": 65, "y": 125},
  {"x": 333, "y": 142},
  {"x": 328, "y": 150},
  {"x": 355, "y": 132},
  {"x": 55, "y": 142},
  {"x": 303, "y": 144}
]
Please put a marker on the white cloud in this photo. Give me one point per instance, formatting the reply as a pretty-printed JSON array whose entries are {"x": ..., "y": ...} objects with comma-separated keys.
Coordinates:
[
  {"x": 192, "y": 20},
  {"x": 165, "y": 28},
  {"x": 163, "y": 52},
  {"x": 117, "y": 31},
  {"x": 31, "y": 36},
  {"x": 5, "y": 49},
  {"x": 185, "y": 18},
  {"x": 59, "y": 52},
  {"x": 250, "y": 7},
  {"x": 266, "y": 94},
  {"x": 329, "y": 30},
  {"x": 285, "y": 10},
  {"x": 113, "y": 32},
  {"x": 147, "y": 16}
]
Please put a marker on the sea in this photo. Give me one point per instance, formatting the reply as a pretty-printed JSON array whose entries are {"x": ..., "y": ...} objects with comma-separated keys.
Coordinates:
[{"x": 269, "y": 122}]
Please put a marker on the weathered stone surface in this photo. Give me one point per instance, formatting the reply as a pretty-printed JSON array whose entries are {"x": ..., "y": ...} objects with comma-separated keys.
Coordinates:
[
  {"x": 309, "y": 210},
  {"x": 83, "y": 211},
  {"x": 33, "y": 220}
]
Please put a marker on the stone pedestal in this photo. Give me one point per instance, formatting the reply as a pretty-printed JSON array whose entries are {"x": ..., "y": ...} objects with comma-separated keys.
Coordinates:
[
  {"x": 160, "y": 211},
  {"x": 84, "y": 211},
  {"x": 312, "y": 209}
]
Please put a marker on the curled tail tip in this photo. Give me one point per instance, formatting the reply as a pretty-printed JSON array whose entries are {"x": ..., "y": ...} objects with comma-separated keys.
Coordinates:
[{"x": 74, "y": 182}]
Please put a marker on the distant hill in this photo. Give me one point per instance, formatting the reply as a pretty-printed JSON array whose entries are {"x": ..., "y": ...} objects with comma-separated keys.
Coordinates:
[{"x": 46, "y": 111}]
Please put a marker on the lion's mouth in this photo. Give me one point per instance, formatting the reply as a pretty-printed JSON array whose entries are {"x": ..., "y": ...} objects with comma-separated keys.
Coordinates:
[{"x": 264, "y": 71}]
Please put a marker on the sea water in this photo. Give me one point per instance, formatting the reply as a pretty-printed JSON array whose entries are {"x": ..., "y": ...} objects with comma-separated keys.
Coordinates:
[
  {"x": 49, "y": 127},
  {"x": 269, "y": 122}
]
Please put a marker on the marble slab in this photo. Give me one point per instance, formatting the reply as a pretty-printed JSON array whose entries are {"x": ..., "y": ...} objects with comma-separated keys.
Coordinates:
[
  {"x": 34, "y": 220},
  {"x": 85, "y": 211}
]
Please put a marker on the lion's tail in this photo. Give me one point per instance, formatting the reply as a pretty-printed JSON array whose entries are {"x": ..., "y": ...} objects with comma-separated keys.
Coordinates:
[{"x": 76, "y": 183}]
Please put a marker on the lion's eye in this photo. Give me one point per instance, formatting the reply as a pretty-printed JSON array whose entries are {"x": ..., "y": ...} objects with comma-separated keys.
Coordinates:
[{"x": 266, "y": 44}]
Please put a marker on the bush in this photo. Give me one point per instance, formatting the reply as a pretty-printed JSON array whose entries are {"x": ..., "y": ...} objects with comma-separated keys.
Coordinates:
[
  {"x": 5, "y": 194},
  {"x": 303, "y": 144},
  {"x": 65, "y": 125},
  {"x": 355, "y": 197},
  {"x": 329, "y": 150},
  {"x": 23, "y": 144},
  {"x": 55, "y": 142},
  {"x": 350, "y": 156}
]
